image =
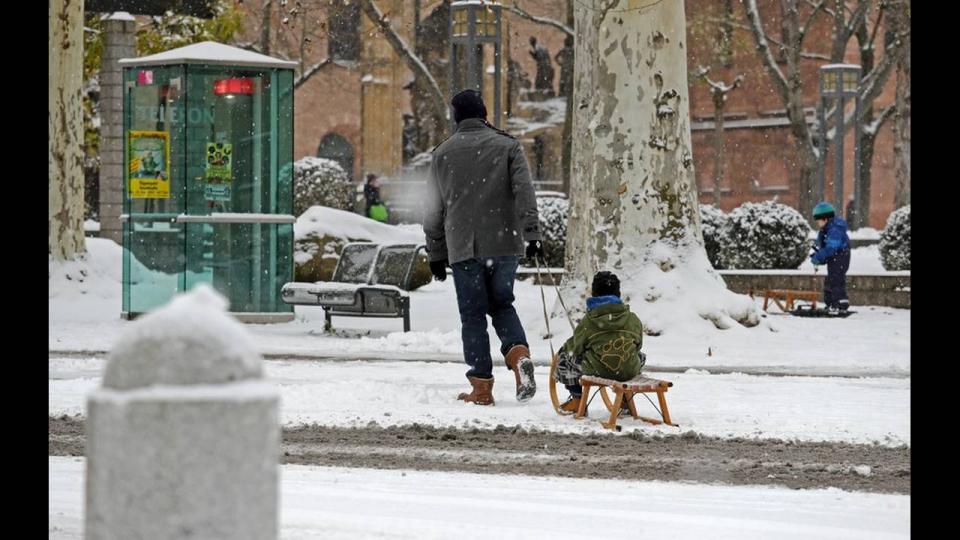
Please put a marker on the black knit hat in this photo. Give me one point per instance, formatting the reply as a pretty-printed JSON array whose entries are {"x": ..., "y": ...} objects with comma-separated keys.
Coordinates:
[
  {"x": 468, "y": 104},
  {"x": 605, "y": 283}
]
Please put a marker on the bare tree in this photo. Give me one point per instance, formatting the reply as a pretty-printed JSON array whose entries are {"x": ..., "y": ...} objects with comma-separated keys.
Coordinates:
[
  {"x": 789, "y": 86},
  {"x": 848, "y": 23},
  {"x": 65, "y": 129},
  {"x": 899, "y": 21},
  {"x": 718, "y": 91},
  {"x": 719, "y": 31},
  {"x": 568, "y": 117},
  {"x": 413, "y": 61},
  {"x": 300, "y": 21},
  {"x": 266, "y": 14},
  {"x": 565, "y": 28}
]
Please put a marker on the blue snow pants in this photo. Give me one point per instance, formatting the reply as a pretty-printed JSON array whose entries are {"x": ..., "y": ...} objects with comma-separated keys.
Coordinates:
[{"x": 835, "y": 285}]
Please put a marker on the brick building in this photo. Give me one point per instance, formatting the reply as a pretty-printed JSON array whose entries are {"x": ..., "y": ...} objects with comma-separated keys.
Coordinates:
[{"x": 352, "y": 109}]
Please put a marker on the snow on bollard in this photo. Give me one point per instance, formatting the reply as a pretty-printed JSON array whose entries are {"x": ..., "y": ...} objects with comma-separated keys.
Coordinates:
[{"x": 183, "y": 439}]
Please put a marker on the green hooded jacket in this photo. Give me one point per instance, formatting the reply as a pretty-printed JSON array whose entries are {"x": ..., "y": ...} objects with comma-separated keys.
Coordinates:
[{"x": 609, "y": 339}]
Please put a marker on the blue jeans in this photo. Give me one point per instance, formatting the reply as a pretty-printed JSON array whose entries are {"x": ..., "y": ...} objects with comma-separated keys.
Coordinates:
[{"x": 485, "y": 287}]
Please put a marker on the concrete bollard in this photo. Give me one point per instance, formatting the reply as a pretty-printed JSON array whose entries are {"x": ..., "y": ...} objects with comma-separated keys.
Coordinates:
[{"x": 183, "y": 438}]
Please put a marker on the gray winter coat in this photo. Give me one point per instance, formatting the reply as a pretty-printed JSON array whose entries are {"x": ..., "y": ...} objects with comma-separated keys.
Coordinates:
[{"x": 480, "y": 199}]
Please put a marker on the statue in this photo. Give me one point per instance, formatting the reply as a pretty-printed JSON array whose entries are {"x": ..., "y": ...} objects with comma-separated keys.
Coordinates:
[
  {"x": 544, "y": 79},
  {"x": 516, "y": 80},
  {"x": 565, "y": 59}
]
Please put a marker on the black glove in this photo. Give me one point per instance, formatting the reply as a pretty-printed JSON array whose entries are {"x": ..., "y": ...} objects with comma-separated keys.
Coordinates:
[
  {"x": 534, "y": 249},
  {"x": 439, "y": 269}
]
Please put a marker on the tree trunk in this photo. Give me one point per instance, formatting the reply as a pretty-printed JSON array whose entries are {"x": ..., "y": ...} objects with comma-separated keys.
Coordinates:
[
  {"x": 867, "y": 139},
  {"x": 567, "y": 121},
  {"x": 267, "y": 14},
  {"x": 867, "y": 145},
  {"x": 65, "y": 129},
  {"x": 634, "y": 206},
  {"x": 790, "y": 89},
  {"x": 416, "y": 65},
  {"x": 718, "y": 103},
  {"x": 303, "y": 44},
  {"x": 901, "y": 125}
]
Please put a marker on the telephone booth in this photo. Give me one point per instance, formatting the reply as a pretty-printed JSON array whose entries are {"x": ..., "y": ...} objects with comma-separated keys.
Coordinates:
[{"x": 208, "y": 190}]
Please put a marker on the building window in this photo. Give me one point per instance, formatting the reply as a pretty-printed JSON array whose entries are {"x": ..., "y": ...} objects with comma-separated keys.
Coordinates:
[
  {"x": 339, "y": 149},
  {"x": 343, "y": 31}
]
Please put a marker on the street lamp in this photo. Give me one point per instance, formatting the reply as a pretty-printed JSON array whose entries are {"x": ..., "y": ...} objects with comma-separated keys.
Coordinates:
[
  {"x": 474, "y": 23},
  {"x": 840, "y": 82}
]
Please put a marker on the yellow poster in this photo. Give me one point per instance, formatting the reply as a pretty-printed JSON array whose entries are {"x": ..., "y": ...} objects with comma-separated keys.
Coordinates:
[{"x": 149, "y": 174}]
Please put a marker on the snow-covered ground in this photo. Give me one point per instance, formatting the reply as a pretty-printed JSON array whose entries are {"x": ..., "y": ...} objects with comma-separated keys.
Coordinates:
[
  {"x": 723, "y": 383},
  {"x": 85, "y": 316},
  {"x": 846, "y": 380},
  {"x": 332, "y": 503},
  {"x": 397, "y": 393}
]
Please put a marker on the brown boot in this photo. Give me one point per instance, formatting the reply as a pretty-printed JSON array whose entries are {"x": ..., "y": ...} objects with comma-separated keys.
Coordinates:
[
  {"x": 482, "y": 393},
  {"x": 518, "y": 359},
  {"x": 571, "y": 405}
]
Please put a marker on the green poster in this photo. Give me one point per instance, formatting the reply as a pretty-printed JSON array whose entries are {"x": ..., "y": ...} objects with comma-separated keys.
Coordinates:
[{"x": 219, "y": 172}]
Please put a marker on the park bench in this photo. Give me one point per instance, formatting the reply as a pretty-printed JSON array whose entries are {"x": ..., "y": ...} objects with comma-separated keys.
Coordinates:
[
  {"x": 370, "y": 280},
  {"x": 788, "y": 296}
]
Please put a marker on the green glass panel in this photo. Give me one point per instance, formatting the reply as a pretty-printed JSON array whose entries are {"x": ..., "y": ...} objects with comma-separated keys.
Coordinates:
[
  {"x": 246, "y": 262},
  {"x": 229, "y": 139},
  {"x": 154, "y": 144},
  {"x": 230, "y": 133},
  {"x": 284, "y": 142}
]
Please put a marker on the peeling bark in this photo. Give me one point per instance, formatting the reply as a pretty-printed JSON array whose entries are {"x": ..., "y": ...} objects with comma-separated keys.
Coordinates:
[
  {"x": 901, "y": 127},
  {"x": 65, "y": 130},
  {"x": 634, "y": 207}
]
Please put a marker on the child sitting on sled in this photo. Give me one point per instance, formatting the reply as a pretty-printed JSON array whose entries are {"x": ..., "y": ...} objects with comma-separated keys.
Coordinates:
[{"x": 605, "y": 344}]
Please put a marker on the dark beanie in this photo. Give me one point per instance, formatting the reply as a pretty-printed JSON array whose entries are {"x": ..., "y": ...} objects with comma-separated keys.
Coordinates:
[
  {"x": 468, "y": 104},
  {"x": 604, "y": 284}
]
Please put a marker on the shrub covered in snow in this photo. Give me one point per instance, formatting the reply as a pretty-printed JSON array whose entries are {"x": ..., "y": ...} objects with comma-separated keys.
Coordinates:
[
  {"x": 764, "y": 235},
  {"x": 712, "y": 220},
  {"x": 895, "y": 240},
  {"x": 553, "y": 211},
  {"x": 321, "y": 182}
]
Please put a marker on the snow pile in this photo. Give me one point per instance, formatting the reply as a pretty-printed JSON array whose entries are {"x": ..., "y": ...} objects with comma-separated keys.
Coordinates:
[
  {"x": 764, "y": 235},
  {"x": 323, "y": 221},
  {"x": 672, "y": 288},
  {"x": 89, "y": 284},
  {"x": 320, "y": 234},
  {"x": 319, "y": 181},
  {"x": 191, "y": 340},
  {"x": 712, "y": 221},
  {"x": 895, "y": 240}
]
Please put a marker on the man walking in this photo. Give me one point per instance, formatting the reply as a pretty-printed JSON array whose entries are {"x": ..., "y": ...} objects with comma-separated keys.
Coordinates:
[{"x": 481, "y": 207}]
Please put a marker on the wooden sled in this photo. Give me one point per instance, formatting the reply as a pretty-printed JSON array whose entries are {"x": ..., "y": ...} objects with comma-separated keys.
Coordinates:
[{"x": 624, "y": 390}]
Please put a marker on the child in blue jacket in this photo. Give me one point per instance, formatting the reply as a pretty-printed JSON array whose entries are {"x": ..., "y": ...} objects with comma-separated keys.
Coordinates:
[{"x": 833, "y": 249}]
